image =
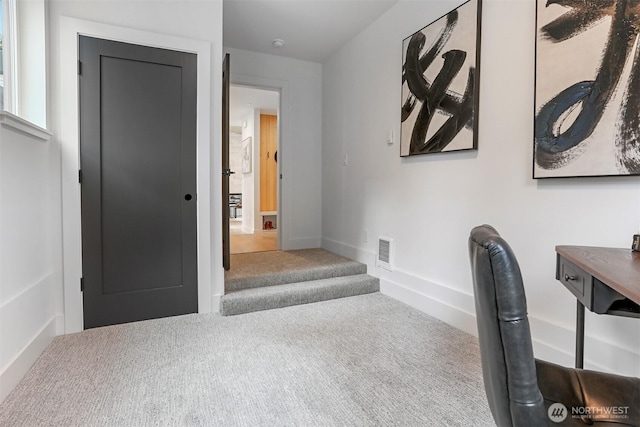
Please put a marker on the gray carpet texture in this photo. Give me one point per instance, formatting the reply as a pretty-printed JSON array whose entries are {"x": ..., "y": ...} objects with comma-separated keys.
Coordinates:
[
  {"x": 367, "y": 360},
  {"x": 270, "y": 297},
  {"x": 258, "y": 269}
]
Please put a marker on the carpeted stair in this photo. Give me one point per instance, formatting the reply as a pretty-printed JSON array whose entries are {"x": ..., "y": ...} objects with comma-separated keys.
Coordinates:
[{"x": 268, "y": 280}]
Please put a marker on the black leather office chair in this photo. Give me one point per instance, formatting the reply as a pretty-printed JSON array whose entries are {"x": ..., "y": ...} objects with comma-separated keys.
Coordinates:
[{"x": 521, "y": 390}]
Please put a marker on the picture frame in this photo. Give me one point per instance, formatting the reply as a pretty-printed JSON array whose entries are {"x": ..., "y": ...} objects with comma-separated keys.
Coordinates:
[
  {"x": 441, "y": 84},
  {"x": 247, "y": 155},
  {"x": 587, "y": 89}
]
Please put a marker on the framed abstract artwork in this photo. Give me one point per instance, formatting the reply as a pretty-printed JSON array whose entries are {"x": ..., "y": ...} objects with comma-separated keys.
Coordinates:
[
  {"x": 587, "y": 91},
  {"x": 440, "y": 84},
  {"x": 246, "y": 155}
]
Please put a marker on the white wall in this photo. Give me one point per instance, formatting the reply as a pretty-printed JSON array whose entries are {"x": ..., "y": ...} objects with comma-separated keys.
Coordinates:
[
  {"x": 428, "y": 204},
  {"x": 30, "y": 262},
  {"x": 235, "y": 162},
  {"x": 180, "y": 25},
  {"x": 300, "y": 130},
  {"x": 251, "y": 180}
]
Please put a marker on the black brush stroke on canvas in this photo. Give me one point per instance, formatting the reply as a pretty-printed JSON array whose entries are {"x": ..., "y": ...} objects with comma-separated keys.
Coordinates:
[
  {"x": 555, "y": 149},
  {"x": 628, "y": 130},
  {"x": 436, "y": 96}
]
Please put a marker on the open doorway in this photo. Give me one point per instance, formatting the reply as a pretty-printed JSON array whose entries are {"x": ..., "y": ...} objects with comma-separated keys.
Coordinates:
[{"x": 253, "y": 156}]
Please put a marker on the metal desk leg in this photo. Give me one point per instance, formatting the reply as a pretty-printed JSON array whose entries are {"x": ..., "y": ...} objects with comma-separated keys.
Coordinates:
[{"x": 580, "y": 336}]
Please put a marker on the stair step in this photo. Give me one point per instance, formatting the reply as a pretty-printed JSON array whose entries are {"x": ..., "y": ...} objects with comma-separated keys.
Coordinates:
[
  {"x": 285, "y": 295},
  {"x": 345, "y": 267}
]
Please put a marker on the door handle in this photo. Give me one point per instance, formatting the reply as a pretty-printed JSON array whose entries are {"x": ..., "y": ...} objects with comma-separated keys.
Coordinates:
[
  {"x": 227, "y": 172},
  {"x": 188, "y": 197}
]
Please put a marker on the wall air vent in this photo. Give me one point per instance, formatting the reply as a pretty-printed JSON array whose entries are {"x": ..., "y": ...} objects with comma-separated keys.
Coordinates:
[{"x": 385, "y": 259}]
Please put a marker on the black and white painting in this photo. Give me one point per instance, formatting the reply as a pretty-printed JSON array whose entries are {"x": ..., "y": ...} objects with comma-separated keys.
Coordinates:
[
  {"x": 440, "y": 83},
  {"x": 587, "y": 95},
  {"x": 246, "y": 155}
]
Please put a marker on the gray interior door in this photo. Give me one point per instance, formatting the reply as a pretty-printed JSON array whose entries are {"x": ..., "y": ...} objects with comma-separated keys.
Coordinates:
[
  {"x": 226, "y": 171},
  {"x": 138, "y": 178}
]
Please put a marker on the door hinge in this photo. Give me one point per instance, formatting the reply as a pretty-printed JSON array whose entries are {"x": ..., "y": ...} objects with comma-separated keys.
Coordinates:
[
  {"x": 82, "y": 284},
  {"x": 80, "y": 176},
  {"x": 79, "y": 68}
]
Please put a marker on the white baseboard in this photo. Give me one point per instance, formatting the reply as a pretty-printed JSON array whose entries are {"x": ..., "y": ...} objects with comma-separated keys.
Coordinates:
[
  {"x": 432, "y": 305},
  {"x": 551, "y": 341},
  {"x": 16, "y": 370},
  {"x": 357, "y": 254},
  {"x": 556, "y": 344},
  {"x": 300, "y": 243},
  {"x": 215, "y": 307}
]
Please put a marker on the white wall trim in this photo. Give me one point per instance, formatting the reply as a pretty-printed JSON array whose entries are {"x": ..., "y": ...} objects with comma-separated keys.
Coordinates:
[
  {"x": 556, "y": 343},
  {"x": 302, "y": 243},
  {"x": 551, "y": 341},
  {"x": 19, "y": 365},
  {"x": 446, "y": 310},
  {"x": 215, "y": 308},
  {"x": 25, "y": 290},
  {"x": 19, "y": 124},
  {"x": 71, "y": 28},
  {"x": 27, "y": 311},
  {"x": 358, "y": 254}
]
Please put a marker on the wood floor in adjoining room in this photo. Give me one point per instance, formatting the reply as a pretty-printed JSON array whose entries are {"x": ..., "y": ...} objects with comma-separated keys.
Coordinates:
[{"x": 259, "y": 241}]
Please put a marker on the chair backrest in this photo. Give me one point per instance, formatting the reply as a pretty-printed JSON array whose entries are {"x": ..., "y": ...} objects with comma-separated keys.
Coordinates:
[{"x": 508, "y": 366}]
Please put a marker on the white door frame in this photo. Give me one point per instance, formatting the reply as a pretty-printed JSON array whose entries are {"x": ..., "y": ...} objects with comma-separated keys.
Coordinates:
[
  {"x": 256, "y": 171},
  {"x": 68, "y": 137},
  {"x": 282, "y": 87}
]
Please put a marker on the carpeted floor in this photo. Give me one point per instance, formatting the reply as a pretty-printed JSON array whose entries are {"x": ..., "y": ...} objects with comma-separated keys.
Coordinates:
[
  {"x": 259, "y": 269},
  {"x": 360, "y": 361},
  {"x": 264, "y": 263}
]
